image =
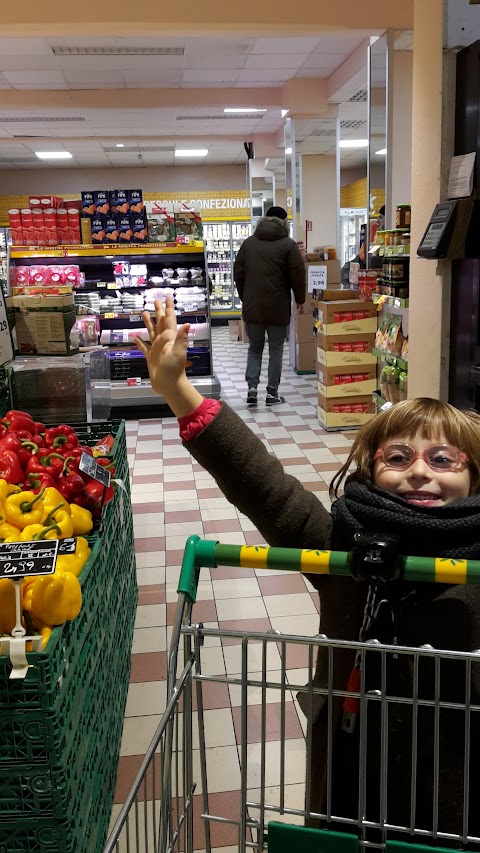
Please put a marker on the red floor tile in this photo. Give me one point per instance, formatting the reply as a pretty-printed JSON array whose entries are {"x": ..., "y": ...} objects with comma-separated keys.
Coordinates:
[
  {"x": 139, "y": 509},
  {"x": 188, "y": 515},
  {"x": 149, "y": 666},
  {"x": 138, "y": 479},
  {"x": 154, "y": 456},
  {"x": 151, "y": 594},
  {"x": 128, "y": 767},
  {"x": 226, "y": 805},
  {"x": 224, "y": 573},
  {"x": 179, "y": 485},
  {"x": 154, "y": 543},
  {"x": 281, "y": 585},
  {"x": 209, "y": 492},
  {"x": 222, "y": 525},
  {"x": 262, "y": 625},
  {"x": 202, "y": 611}
]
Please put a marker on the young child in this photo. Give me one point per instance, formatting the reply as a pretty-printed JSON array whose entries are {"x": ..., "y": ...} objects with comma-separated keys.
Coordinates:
[{"x": 416, "y": 476}]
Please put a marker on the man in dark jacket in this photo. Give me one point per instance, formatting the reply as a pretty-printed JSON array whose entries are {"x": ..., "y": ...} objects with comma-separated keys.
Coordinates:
[{"x": 268, "y": 266}]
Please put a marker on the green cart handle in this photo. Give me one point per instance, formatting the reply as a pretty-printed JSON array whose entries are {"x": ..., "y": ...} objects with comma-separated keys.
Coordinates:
[{"x": 204, "y": 553}]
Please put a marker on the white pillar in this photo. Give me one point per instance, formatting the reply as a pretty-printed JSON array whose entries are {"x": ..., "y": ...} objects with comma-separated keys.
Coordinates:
[
  {"x": 401, "y": 145},
  {"x": 319, "y": 196}
]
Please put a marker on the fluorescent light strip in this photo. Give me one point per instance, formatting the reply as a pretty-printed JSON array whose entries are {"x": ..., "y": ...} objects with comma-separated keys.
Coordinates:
[
  {"x": 191, "y": 152},
  {"x": 382, "y": 152},
  {"x": 54, "y": 155},
  {"x": 353, "y": 143},
  {"x": 243, "y": 110},
  {"x": 288, "y": 150}
]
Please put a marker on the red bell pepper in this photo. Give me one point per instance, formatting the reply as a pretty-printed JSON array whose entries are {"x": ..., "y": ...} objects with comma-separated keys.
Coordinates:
[
  {"x": 98, "y": 496},
  {"x": 73, "y": 456},
  {"x": 107, "y": 463},
  {"x": 35, "y": 482},
  {"x": 61, "y": 438},
  {"x": 23, "y": 435},
  {"x": 15, "y": 419},
  {"x": 40, "y": 428},
  {"x": 23, "y": 449},
  {"x": 104, "y": 445},
  {"x": 71, "y": 486},
  {"x": 3, "y": 430},
  {"x": 43, "y": 462},
  {"x": 10, "y": 468}
]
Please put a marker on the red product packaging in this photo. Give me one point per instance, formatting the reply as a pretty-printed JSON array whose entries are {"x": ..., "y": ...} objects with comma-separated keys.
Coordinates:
[
  {"x": 38, "y": 275},
  {"x": 56, "y": 274},
  {"x": 73, "y": 217},
  {"x": 72, "y": 273},
  {"x": 27, "y": 226},
  {"x": 19, "y": 276},
  {"x": 39, "y": 225},
  {"x": 343, "y": 316},
  {"x": 62, "y": 226},
  {"x": 343, "y": 379},
  {"x": 360, "y": 315},
  {"x": 360, "y": 408},
  {"x": 45, "y": 201},
  {"x": 15, "y": 226},
  {"x": 51, "y": 230}
]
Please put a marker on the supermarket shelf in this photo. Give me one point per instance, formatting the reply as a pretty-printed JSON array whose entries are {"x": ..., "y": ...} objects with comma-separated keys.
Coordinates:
[
  {"x": 390, "y": 300},
  {"x": 103, "y": 250},
  {"x": 231, "y": 313},
  {"x": 378, "y": 399},
  {"x": 391, "y": 359},
  {"x": 389, "y": 252},
  {"x": 131, "y": 315}
]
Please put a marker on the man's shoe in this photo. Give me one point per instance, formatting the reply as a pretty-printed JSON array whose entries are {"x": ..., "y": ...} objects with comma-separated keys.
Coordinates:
[
  {"x": 252, "y": 397},
  {"x": 274, "y": 399}
]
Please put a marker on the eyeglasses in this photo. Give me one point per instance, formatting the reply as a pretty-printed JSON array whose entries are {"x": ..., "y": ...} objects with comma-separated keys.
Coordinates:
[{"x": 439, "y": 457}]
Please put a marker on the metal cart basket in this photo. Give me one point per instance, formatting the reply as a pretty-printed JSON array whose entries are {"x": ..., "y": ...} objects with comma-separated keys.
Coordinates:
[{"x": 380, "y": 756}]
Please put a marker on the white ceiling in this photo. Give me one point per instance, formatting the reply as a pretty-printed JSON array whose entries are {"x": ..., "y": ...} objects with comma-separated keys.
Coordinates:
[{"x": 90, "y": 134}]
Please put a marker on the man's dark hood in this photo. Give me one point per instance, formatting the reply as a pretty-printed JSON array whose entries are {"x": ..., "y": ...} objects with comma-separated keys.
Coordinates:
[{"x": 271, "y": 228}]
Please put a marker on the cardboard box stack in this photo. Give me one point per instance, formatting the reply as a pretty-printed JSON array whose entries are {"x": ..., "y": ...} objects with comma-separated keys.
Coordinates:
[
  {"x": 346, "y": 368},
  {"x": 320, "y": 274}
]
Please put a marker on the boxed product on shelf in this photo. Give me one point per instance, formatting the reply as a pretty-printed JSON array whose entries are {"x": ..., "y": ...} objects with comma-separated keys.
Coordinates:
[
  {"x": 89, "y": 207},
  {"x": 45, "y": 201},
  {"x": 335, "y": 350},
  {"x": 27, "y": 227},
  {"x": 62, "y": 226},
  {"x": 188, "y": 224},
  {"x": 15, "y": 221},
  {"x": 119, "y": 201},
  {"x": 73, "y": 217},
  {"x": 102, "y": 201},
  {"x": 138, "y": 223},
  {"x": 111, "y": 229},
  {"x": 338, "y": 413},
  {"x": 39, "y": 225},
  {"x": 135, "y": 201},
  {"x": 347, "y": 380},
  {"x": 389, "y": 337},
  {"x": 98, "y": 226},
  {"x": 343, "y": 317},
  {"x": 43, "y": 324},
  {"x": 161, "y": 223},
  {"x": 124, "y": 225},
  {"x": 367, "y": 284},
  {"x": 51, "y": 227},
  {"x": 333, "y": 293}
]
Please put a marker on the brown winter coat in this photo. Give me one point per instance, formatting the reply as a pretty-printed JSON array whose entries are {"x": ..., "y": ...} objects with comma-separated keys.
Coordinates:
[
  {"x": 289, "y": 516},
  {"x": 267, "y": 268}
]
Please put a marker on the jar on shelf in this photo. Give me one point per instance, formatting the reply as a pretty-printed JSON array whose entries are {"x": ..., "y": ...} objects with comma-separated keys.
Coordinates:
[
  {"x": 380, "y": 238},
  {"x": 389, "y": 238},
  {"x": 403, "y": 216}
]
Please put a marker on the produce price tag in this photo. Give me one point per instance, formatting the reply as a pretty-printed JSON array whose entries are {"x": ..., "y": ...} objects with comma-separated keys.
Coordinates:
[
  {"x": 25, "y": 559},
  {"x": 135, "y": 318},
  {"x": 111, "y": 285},
  {"x": 109, "y": 316},
  {"x": 317, "y": 278},
  {"x": 94, "y": 470},
  {"x": 67, "y": 546}
]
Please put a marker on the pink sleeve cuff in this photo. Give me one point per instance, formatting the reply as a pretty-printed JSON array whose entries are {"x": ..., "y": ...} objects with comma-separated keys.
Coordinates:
[{"x": 193, "y": 424}]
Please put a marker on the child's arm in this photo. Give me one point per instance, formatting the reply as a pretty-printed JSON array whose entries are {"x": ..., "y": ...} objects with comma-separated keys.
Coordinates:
[{"x": 166, "y": 356}]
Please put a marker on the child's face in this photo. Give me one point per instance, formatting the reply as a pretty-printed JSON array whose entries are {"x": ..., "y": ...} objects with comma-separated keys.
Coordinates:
[{"x": 419, "y": 484}]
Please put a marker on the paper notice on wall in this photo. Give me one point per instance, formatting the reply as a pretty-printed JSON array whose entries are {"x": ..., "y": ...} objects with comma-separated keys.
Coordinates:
[
  {"x": 317, "y": 278},
  {"x": 460, "y": 181}
]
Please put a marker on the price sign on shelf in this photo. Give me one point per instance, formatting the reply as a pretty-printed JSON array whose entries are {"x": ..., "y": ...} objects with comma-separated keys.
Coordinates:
[
  {"x": 317, "y": 277},
  {"x": 27, "y": 559},
  {"x": 94, "y": 470}
]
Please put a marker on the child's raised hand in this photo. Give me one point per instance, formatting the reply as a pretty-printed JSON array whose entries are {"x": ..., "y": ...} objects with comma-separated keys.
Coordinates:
[{"x": 167, "y": 352}]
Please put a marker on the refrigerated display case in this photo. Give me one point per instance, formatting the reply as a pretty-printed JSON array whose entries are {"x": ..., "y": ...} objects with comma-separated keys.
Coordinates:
[
  {"x": 4, "y": 244},
  {"x": 351, "y": 220},
  {"x": 222, "y": 242}
]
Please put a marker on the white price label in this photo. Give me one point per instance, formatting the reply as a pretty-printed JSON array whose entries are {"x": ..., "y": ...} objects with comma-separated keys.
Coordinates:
[{"x": 317, "y": 278}]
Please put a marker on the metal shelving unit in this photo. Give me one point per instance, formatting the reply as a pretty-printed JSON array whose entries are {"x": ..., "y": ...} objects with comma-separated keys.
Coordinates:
[{"x": 222, "y": 242}]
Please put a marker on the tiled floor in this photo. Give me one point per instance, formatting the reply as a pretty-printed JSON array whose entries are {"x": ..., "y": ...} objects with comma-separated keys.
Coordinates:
[{"x": 174, "y": 497}]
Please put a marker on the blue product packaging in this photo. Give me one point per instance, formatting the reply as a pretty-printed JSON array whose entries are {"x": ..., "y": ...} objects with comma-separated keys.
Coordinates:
[
  {"x": 135, "y": 200},
  {"x": 98, "y": 229},
  {"x": 102, "y": 203},
  {"x": 111, "y": 229},
  {"x": 120, "y": 200},
  {"x": 124, "y": 228},
  {"x": 139, "y": 227},
  {"x": 88, "y": 203}
]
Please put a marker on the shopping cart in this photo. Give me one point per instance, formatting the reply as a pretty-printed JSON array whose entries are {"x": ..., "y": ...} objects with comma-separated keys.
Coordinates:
[{"x": 412, "y": 781}]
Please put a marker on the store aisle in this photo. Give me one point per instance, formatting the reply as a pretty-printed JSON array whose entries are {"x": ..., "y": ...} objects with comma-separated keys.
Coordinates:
[{"x": 174, "y": 497}]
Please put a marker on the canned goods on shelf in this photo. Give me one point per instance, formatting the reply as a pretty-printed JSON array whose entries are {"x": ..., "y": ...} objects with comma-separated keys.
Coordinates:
[{"x": 403, "y": 215}]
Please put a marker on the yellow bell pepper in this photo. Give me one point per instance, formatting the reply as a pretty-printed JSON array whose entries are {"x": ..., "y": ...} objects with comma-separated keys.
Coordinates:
[
  {"x": 82, "y": 520},
  {"x": 24, "y": 508},
  {"x": 52, "y": 497},
  {"x": 7, "y": 606},
  {"x": 7, "y": 489},
  {"x": 45, "y": 633},
  {"x": 39, "y": 531},
  {"x": 8, "y": 530},
  {"x": 74, "y": 562},
  {"x": 61, "y": 517},
  {"x": 56, "y": 598}
]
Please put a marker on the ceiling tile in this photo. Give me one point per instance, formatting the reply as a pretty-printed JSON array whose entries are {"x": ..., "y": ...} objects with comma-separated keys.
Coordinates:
[
  {"x": 324, "y": 62},
  {"x": 267, "y": 60},
  {"x": 265, "y": 75},
  {"x": 35, "y": 79},
  {"x": 89, "y": 76},
  {"x": 214, "y": 60},
  {"x": 339, "y": 43},
  {"x": 153, "y": 78},
  {"x": 282, "y": 46},
  {"x": 27, "y": 62},
  {"x": 26, "y": 47},
  {"x": 203, "y": 76}
]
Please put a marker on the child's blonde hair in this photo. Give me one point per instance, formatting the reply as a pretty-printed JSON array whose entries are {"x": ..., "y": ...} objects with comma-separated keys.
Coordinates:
[{"x": 430, "y": 418}]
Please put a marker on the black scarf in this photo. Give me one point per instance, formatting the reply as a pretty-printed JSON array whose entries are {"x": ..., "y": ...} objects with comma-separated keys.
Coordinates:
[{"x": 447, "y": 531}]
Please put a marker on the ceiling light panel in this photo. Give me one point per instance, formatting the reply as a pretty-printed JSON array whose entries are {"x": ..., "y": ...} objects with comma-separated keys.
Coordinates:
[
  {"x": 137, "y": 149},
  {"x": 37, "y": 119},
  {"x": 118, "y": 51}
]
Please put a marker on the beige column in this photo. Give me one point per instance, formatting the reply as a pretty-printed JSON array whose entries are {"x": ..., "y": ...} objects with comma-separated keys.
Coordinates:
[
  {"x": 401, "y": 146},
  {"x": 429, "y": 282},
  {"x": 319, "y": 196}
]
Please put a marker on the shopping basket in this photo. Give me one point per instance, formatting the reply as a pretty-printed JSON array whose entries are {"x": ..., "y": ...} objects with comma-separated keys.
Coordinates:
[{"x": 292, "y": 786}]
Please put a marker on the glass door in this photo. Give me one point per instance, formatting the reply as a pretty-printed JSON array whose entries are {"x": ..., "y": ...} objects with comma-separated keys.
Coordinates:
[
  {"x": 240, "y": 232},
  {"x": 218, "y": 245}
]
